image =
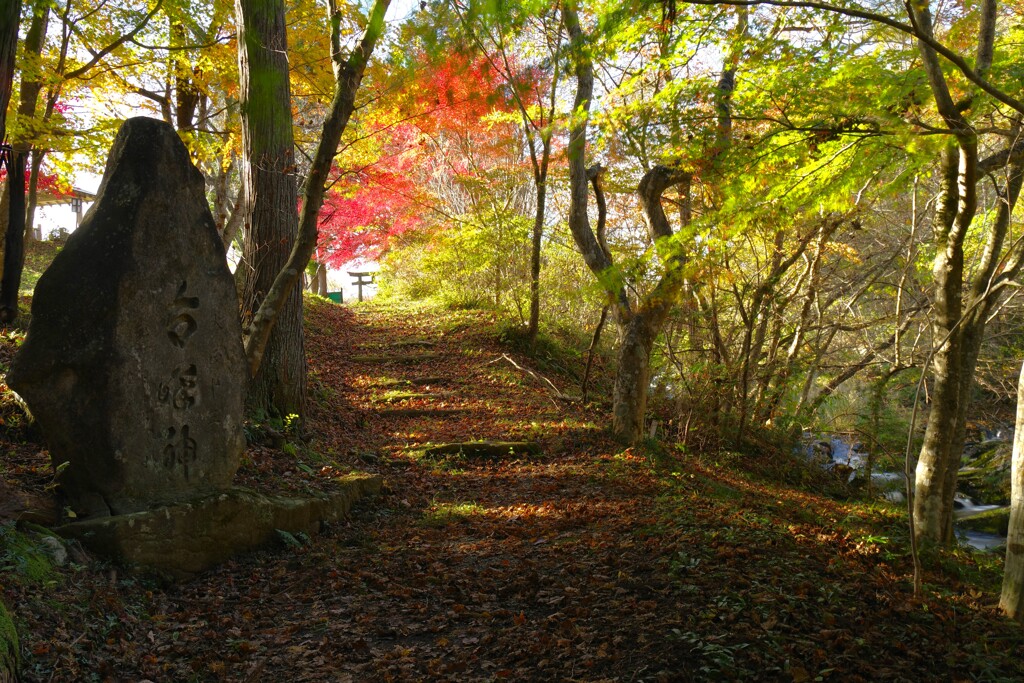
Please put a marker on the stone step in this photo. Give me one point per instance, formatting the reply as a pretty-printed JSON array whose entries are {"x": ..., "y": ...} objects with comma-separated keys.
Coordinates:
[
  {"x": 426, "y": 381},
  {"x": 414, "y": 382},
  {"x": 400, "y": 396},
  {"x": 484, "y": 449},
  {"x": 413, "y": 343},
  {"x": 394, "y": 358},
  {"x": 421, "y": 412}
]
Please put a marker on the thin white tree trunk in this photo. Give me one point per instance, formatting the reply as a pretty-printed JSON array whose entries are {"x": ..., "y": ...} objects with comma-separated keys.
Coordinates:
[{"x": 1012, "y": 600}]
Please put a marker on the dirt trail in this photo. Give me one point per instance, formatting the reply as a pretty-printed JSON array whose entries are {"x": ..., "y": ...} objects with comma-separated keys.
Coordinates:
[{"x": 585, "y": 562}]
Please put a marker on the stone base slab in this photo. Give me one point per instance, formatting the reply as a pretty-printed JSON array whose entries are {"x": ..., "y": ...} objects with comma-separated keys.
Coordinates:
[{"x": 182, "y": 539}]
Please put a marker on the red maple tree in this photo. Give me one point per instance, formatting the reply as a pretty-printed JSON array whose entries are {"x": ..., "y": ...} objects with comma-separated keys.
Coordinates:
[{"x": 369, "y": 205}]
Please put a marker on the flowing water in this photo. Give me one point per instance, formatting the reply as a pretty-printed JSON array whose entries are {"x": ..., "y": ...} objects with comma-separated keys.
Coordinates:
[{"x": 831, "y": 450}]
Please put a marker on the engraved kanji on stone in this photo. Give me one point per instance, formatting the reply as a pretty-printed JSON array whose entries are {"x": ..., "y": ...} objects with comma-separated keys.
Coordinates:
[
  {"x": 182, "y": 391},
  {"x": 158, "y": 368},
  {"x": 182, "y": 324},
  {"x": 181, "y": 450}
]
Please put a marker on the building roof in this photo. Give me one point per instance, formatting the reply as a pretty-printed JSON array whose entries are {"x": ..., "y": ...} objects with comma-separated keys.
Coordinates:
[{"x": 47, "y": 198}]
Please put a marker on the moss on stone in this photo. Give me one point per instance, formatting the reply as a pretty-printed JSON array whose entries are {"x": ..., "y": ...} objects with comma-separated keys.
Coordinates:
[
  {"x": 986, "y": 474},
  {"x": 990, "y": 522},
  {"x": 10, "y": 653},
  {"x": 179, "y": 540},
  {"x": 23, "y": 557}
]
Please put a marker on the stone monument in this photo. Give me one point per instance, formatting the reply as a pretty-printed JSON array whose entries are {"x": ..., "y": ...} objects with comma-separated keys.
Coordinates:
[{"x": 133, "y": 364}]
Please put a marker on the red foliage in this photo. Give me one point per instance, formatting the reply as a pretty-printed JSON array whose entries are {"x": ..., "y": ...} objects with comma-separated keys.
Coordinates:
[
  {"x": 369, "y": 206},
  {"x": 48, "y": 182},
  {"x": 462, "y": 91}
]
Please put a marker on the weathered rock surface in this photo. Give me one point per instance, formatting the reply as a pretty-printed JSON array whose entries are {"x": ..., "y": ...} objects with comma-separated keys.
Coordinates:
[
  {"x": 133, "y": 364},
  {"x": 995, "y": 522},
  {"x": 985, "y": 474},
  {"x": 26, "y": 506},
  {"x": 180, "y": 540}
]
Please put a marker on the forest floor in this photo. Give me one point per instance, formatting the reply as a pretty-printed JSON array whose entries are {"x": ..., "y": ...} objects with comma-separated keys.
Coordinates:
[{"x": 585, "y": 562}]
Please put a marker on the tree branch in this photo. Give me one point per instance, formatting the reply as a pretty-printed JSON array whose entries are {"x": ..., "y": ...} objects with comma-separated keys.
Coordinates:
[
  {"x": 97, "y": 56},
  {"x": 953, "y": 58}
]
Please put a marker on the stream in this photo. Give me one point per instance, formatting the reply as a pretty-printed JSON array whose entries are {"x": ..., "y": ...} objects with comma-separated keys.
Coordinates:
[{"x": 832, "y": 451}]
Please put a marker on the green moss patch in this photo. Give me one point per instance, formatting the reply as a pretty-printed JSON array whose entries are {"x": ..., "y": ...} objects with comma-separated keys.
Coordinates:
[
  {"x": 990, "y": 522},
  {"x": 9, "y": 648},
  {"x": 23, "y": 557}
]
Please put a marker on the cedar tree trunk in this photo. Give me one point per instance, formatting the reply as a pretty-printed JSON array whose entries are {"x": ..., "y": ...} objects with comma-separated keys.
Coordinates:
[
  {"x": 270, "y": 221},
  {"x": 348, "y": 74}
]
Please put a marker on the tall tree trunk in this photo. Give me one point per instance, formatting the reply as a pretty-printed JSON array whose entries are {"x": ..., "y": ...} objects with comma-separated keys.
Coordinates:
[
  {"x": 318, "y": 283},
  {"x": 348, "y": 75},
  {"x": 278, "y": 386},
  {"x": 35, "y": 167},
  {"x": 234, "y": 220},
  {"x": 10, "y": 14},
  {"x": 637, "y": 328},
  {"x": 14, "y": 256},
  {"x": 632, "y": 378},
  {"x": 533, "y": 326},
  {"x": 28, "y": 101},
  {"x": 1012, "y": 598},
  {"x": 956, "y": 206},
  {"x": 939, "y": 459},
  {"x": 954, "y": 362},
  {"x": 14, "y": 241},
  {"x": 221, "y": 196}
]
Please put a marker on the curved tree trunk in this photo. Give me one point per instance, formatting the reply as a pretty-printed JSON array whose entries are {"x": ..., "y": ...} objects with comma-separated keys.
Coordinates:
[
  {"x": 632, "y": 379},
  {"x": 955, "y": 210},
  {"x": 955, "y": 361},
  {"x": 637, "y": 328}
]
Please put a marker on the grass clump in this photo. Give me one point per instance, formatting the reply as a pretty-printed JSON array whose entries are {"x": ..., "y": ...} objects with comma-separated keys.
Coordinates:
[{"x": 442, "y": 514}]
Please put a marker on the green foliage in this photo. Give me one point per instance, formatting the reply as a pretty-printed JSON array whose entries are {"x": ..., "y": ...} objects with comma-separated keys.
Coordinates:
[
  {"x": 716, "y": 660},
  {"x": 987, "y": 476},
  {"x": 448, "y": 463},
  {"x": 557, "y": 349},
  {"x": 38, "y": 257},
  {"x": 293, "y": 540},
  {"x": 478, "y": 262},
  {"x": 990, "y": 522}
]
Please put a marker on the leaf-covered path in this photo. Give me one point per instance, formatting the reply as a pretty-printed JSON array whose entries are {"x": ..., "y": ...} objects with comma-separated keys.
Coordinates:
[{"x": 585, "y": 562}]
